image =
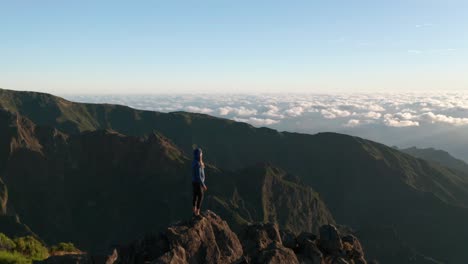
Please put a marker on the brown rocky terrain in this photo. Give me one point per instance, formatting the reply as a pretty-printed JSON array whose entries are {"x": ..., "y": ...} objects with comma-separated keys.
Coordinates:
[{"x": 209, "y": 239}]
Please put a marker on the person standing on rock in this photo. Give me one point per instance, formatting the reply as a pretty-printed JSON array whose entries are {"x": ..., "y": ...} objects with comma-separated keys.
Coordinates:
[{"x": 198, "y": 180}]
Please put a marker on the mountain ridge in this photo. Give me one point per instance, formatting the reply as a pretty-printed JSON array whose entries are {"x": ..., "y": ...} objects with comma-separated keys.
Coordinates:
[{"x": 439, "y": 156}]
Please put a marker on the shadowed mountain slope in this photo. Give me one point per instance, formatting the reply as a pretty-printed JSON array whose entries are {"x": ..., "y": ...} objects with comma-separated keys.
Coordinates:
[
  {"x": 84, "y": 187},
  {"x": 442, "y": 157}
]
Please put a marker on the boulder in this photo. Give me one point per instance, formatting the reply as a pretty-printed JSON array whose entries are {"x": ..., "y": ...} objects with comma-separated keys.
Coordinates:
[
  {"x": 289, "y": 239},
  {"x": 277, "y": 254},
  {"x": 330, "y": 241},
  {"x": 262, "y": 244},
  {"x": 353, "y": 249},
  {"x": 311, "y": 252},
  {"x": 304, "y": 237},
  {"x": 257, "y": 237},
  {"x": 174, "y": 256}
]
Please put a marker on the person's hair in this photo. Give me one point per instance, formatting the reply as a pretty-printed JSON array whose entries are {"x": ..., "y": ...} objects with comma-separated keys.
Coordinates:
[{"x": 197, "y": 155}]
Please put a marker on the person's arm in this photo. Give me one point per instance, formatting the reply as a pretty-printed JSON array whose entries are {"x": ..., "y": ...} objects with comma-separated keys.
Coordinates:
[{"x": 202, "y": 178}]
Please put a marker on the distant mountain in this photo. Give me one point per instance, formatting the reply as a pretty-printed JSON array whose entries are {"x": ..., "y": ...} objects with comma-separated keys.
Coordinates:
[
  {"x": 442, "y": 157},
  {"x": 93, "y": 167}
]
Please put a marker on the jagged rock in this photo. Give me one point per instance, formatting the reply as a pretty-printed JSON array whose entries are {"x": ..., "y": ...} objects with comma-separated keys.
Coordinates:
[
  {"x": 353, "y": 249},
  {"x": 209, "y": 240},
  {"x": 262, "y": 244},
  {"x": 311, "y": 252},
  {"x": 276, "y": 253},
  {"x": 175, "y": 256},
  {"x": 289, "y": 239},
  {"x": 307, "y": 250},
  {"x": 256, "y": 237},
  {"x": 304, "y": 237},
  {"x": 206, "y": 239},
  {"x": 330, "y": 241}
]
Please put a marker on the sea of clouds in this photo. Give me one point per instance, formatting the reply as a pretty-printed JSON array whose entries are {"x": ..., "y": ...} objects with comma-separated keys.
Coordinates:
[
  {"x": 352, "y": 110},
  {"x": 438, "y": 120}
]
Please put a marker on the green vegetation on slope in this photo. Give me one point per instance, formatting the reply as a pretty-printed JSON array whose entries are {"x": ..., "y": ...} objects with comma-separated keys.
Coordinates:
[
  {"x": 67, "y": 247},
  {"x": 7, "y": 257},
  {"x": 21, "y": 250}
]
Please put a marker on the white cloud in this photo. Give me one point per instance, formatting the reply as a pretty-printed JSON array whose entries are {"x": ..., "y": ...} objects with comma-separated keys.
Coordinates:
[
  {"x": 405, "y": 116},
  {"x": 334, "y": 113},
  {"x": 400, "y": 123},
  {"x": 373, "y": 115},
  {"x": 393, "y": 121},
  {"x": 197, "y": 109},
  {"x": 257, "y": 121},
  {"x": 352, "y": 123},
  {"x": 295, "y": 111},
  {"x": 224, "y": 110},
  {"x": 240, "y": 111},
  {"x": 272, "y": 111},
  {"x": 392, "y": 109},
  {"x": 439, "y": 118},
  {"x": 375, "y": 108}
]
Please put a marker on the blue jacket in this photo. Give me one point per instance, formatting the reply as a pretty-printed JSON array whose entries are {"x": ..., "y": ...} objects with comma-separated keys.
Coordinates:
[{"x": 198, "y": 172}]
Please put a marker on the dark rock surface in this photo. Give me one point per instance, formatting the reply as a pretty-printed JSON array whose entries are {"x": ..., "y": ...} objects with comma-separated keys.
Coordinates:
[
  {"x": 205, "y": 239},
  {"x": 209, "y": 239}
]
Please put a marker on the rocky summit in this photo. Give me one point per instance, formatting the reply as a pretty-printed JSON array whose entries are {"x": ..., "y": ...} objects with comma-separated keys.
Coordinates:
[{"x": 209, "y": 239}]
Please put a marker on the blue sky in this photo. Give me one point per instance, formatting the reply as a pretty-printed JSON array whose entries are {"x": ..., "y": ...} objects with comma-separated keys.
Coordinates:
[{"x": 233, "y": 46}]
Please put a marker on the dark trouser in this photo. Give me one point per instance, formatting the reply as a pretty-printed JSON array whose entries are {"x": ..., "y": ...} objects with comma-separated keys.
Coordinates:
[{"x": 197, "y": 194}]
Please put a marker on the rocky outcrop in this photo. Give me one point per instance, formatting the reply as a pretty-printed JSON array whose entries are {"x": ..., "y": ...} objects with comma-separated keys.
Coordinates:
[
  {"x": 205, "y": 239},
  {"x": 209, "y": 239},
  {"x": 262, "y": 243}
]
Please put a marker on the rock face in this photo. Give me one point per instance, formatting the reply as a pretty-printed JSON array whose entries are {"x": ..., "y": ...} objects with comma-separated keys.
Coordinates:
[
  {"x": 206, "y": 239},
  {"x": 209, "y": 239},
  {"x": 271, "y": 195},
  {"x": 262, "y": 243},
  {"x": 337, "y": 249}
]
